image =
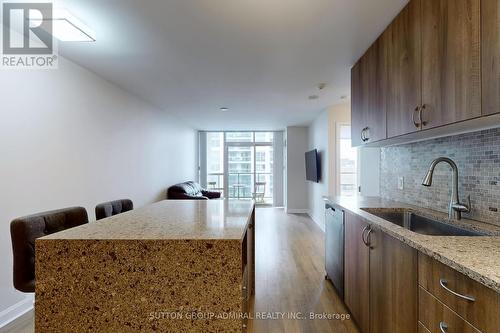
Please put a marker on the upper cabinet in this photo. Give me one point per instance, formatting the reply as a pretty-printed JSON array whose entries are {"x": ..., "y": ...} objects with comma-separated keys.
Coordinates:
[
  {"x": 427, "y": 70},
  {"x": 451, "y": 61},
  {"x": 403, "y": 47},
  {"x": 367, "y": 97},
  {"x": 490, "y": 47}
]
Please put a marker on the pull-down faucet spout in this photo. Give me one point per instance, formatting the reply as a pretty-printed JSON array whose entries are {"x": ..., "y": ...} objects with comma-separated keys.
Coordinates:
[{"x": 455, "y": 208}]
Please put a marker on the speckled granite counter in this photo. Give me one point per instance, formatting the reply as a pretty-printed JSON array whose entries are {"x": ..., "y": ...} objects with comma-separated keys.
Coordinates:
[
  {"x": 173, "y": 266},
  {"x": 477, "y": 257}
]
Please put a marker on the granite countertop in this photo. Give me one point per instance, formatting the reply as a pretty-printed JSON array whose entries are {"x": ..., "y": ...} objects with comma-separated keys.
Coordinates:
[
  {"x": 170, "y": 220},
  {"x": 478, "y": 257}
]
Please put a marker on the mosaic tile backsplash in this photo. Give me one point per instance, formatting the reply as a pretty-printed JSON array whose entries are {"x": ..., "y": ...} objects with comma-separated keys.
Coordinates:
[{"x": 478, "y": 158}]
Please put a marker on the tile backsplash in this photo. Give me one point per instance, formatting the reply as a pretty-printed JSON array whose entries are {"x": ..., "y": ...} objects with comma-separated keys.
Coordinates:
[{"x": 478, "y": 158}]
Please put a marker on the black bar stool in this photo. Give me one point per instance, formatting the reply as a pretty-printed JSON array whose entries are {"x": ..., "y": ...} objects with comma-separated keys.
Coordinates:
[
  {"x": 107, "y": 209},
  {"x": 25, "y": 230}
]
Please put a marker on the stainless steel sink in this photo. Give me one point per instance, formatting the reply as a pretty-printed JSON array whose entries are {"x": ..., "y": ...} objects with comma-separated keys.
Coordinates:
[{"x": 420, "y": 224}]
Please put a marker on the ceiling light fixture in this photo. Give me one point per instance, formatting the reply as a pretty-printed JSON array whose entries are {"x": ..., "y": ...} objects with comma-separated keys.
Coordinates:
[
  {"x": 66, "y": 27},
  {"x": 321, "y": 86},
  {"x": 312, "y": 97},
  {"x": 224, "y": 109}
]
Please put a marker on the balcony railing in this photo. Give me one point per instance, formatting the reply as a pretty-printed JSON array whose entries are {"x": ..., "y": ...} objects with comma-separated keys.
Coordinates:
[{"x": 239, "y": 187}]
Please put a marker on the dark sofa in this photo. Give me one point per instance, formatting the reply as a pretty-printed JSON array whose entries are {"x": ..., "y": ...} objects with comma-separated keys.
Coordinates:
[{"x": 191, "y": 191}]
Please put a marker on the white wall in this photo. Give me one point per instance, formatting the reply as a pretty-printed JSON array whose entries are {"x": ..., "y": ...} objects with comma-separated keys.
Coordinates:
[
  {"x": 69, "y": 138},
  {"x": 322, "y": 135},
  {"x": 318, "y": 139},
  {"x": 296, "y": 186}
]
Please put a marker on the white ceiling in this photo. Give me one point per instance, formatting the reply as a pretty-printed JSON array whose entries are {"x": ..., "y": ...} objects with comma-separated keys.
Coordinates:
[{"x": 259, "y": 58}]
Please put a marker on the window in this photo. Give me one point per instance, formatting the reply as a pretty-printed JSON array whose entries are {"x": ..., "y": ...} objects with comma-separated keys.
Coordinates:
[
  {"x": 264, "y": 136},
  {"x": 241, "y": 164},
  {"x": 347, "y": 163},
  {"x": 215, "y": 161},
  {"x": 239, "y": 136}
]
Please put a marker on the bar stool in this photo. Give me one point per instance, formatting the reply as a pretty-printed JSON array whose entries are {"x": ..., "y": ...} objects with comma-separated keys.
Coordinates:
[
  {"x": 107, "y": 209},
  {"x": 25, "y": 230}
]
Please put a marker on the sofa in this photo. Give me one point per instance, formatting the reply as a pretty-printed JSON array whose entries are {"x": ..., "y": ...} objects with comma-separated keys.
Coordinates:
[{"x": 191, "y": 191}]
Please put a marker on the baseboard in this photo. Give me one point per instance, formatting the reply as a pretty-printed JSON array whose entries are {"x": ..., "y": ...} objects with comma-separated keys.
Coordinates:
[
  {"x": 15, "y": 312},
  {"x": 315, "y": 220},
  {"x": 297, "y": 211}
]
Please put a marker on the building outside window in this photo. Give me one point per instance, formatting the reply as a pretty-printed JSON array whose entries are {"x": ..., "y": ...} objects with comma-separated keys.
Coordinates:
[
  {"x": 347, "y": 163},
  {"x": 240, "y": 164}
]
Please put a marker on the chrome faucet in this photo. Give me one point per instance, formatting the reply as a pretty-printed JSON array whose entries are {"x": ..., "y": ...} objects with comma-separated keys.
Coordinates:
[{"x": 456, "y": 208}]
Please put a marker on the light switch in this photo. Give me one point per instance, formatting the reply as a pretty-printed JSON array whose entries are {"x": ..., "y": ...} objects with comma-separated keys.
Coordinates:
[{"x": 401, "y": 183}]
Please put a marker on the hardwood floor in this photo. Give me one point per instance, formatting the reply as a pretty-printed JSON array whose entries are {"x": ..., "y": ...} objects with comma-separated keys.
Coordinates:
[{"x": 289, "y": 277}]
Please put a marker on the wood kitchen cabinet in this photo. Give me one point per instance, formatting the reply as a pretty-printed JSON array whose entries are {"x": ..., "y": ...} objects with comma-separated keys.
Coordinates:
[
  {"x": 368, "y": 96},
  {"x": 451, "y": 61},
  {"x": 490, "y": 48},
  {"x": 445, "y": 295},
  {"x": 357, "y": 272},
  {"x": 424, "y": 71},
  {"x": 380, "y": 279},
  {"x": 357, "y": 107},
  {"x": 403, "y": 49},
  {"x": 393, "y": 284}
]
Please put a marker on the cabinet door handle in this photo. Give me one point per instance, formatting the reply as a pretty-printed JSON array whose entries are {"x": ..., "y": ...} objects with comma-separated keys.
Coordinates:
[
  {"x": 368, "y": 239},
  {"x": 420, "y": 115},
  {"x": 368, "y": 230},
  {"x": 444, "y": 282},
  {"x": 363, "y": 234},
  {"x": 443, "y": 327},
  {"x": 417, "y": 124}
]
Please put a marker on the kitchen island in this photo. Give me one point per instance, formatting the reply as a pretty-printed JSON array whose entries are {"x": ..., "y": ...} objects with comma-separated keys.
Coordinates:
[{"x": 173, "y": 266}]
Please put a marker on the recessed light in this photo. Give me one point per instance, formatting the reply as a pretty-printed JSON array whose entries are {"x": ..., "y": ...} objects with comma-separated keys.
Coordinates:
[
  {"x": 321, "y": 86},
  {"x": 343, "y": 97},
  {"x": 312, "y": 97},
  {"x": 223, "y": 109}
]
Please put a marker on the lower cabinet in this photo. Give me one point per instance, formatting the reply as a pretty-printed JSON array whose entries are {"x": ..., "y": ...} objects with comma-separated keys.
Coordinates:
[
  {"x": 380, "y": 279},
  {"x": 393, "y": 284},
  {"x": 357, "y": 271},
  {"x": 452, "y": 302}
]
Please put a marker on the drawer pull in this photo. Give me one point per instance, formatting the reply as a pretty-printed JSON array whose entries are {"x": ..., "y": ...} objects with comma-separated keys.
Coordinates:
[
  {"x": 443, "y": 284},
  {"x": 365, "y": 229},
  {"x": 443, "y": 327}
]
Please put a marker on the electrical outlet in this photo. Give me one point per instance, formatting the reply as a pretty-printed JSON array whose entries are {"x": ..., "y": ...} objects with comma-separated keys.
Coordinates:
[{"x": 401, "y": 183}]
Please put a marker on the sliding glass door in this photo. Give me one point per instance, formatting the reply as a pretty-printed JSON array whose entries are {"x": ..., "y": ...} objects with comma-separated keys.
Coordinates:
[
  {"x": 240, "y": 171},
  {"x": 240, "y": 164}
]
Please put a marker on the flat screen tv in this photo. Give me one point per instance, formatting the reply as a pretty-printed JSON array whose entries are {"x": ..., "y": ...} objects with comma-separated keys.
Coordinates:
[{"x": 312, "y": 166}]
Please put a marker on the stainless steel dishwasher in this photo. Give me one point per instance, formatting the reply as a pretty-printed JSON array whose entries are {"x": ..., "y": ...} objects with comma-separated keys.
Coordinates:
[{"x": 334, "y": 247}]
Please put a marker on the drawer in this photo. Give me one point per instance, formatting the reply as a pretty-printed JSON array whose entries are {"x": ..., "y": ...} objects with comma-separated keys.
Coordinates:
[
  {"x": 446, "y": 284},
  {"x": 438, "y": 318}
]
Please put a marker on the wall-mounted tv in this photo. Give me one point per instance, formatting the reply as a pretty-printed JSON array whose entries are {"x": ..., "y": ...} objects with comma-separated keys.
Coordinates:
[{"x": 312, "y": 166}]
